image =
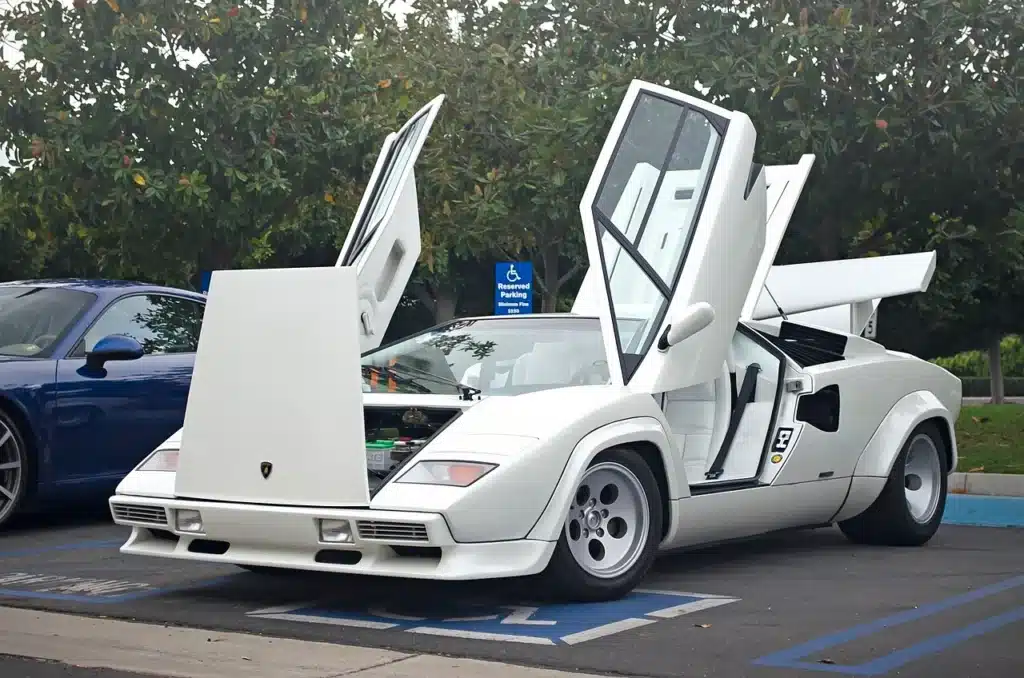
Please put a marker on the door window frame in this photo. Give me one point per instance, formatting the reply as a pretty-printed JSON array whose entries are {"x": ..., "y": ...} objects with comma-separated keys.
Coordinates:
[
  {"x": 745, "y": 483},
  {"x": 603, "y": 224},
  {"x": 77, "y": 351}
]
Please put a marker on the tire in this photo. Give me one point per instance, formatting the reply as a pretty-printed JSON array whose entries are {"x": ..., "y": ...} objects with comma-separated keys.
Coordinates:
[
  {"x": 15, "y": 468},
  {"x": 895, "y": 519},
  {"x": 573, "y": 573}
]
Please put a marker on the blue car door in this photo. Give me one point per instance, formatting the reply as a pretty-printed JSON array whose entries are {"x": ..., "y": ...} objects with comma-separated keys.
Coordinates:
[{"x": 108, "y": 419}]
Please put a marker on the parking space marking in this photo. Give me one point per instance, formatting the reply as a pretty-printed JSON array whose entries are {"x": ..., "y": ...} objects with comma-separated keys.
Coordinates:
[
  {"x": 19, "y": 582},
  {"x": 72, "y": 546},
  {"x": 896, "y": 659},
  {"x": 535, "y": 624},
  {"x": 792, "y": 658},
  {"x": 86, "y": 589}
]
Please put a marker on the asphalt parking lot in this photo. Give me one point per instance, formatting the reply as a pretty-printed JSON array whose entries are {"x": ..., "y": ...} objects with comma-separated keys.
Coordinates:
[{"x": 785, "y": 605}]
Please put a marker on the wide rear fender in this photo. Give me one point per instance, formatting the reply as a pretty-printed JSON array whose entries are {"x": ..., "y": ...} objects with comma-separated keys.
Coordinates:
[{"x": 908, "y": 413}]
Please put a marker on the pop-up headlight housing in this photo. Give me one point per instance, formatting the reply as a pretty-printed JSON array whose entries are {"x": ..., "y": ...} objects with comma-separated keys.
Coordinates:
[
  {"x": 161, "y": 460},
  {"x": 450, "y": 473}
]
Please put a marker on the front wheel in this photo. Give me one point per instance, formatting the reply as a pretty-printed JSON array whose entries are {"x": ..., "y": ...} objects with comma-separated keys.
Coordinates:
[
  {"x": 611, "y": 533},
  {"x": 14, "y": 466},
  {"x": 910, "y": 507}
]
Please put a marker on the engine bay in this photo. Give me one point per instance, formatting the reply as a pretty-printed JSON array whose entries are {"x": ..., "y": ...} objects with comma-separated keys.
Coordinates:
[{"x": 393, "y": 434}]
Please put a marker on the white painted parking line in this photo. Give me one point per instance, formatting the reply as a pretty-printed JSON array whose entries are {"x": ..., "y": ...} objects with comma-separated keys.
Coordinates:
[{"x": 533, "y": 624}]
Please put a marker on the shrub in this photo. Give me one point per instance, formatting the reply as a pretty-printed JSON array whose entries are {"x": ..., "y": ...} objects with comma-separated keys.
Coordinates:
[
  {"x": 975, "y": 363},
  {"x": 981, "y": 387}
]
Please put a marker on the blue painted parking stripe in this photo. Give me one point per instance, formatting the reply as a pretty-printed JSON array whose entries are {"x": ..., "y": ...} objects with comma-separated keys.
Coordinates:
[
  {"x": 896, "y": 659},
  {"x": 790, "y": 658},
  {"x": 984, "y": 511},
  {"x": 532, "y": 623},
  {"x": 73, "y": 546}
]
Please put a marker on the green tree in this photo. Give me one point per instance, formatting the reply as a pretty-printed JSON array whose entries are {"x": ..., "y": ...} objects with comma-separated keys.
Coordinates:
[
  {"x": 161, "y": 139},
  {"x": 914, "y": 113}
]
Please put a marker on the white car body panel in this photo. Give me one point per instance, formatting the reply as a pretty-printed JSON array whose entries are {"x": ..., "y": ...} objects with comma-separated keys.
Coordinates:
[
  {"x": 383, "y": 243},
  {"x": 775, "y": 469},
  {"x": 714, "y": 262},
  {"x": 821, "y": 284},
  {"x": 238, "y": 419},
  {"x": 785, "y": 184}
]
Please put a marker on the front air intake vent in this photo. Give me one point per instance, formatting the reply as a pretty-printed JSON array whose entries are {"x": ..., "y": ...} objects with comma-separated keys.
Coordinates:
[
  {"x": 141, "y": 514},
  {"x": 381, "y": 530}
]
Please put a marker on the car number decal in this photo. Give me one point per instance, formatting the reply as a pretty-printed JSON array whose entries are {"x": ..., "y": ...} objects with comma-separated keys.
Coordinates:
[{"x": 782, "y": 439}]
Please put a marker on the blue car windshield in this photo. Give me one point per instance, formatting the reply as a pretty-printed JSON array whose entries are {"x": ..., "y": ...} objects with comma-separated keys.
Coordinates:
[
  {"x": 33, "y": 318},
  {"x": 498, "y": 356}
]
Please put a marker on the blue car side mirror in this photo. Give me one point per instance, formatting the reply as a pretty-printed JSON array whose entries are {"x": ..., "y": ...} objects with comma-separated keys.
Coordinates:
[{"x": 113, "y": 347}]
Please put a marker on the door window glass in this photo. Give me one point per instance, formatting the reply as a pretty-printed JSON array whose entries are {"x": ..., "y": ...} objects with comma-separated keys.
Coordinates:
[
  {"x": 162, "y": 324},
  {"x": 647, "y": 208}
]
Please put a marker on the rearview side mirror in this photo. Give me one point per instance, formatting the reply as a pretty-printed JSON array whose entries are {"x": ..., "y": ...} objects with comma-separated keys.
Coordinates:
[
  {"x": 113, "y": 347},
  {"x": 692, "y": 320}
]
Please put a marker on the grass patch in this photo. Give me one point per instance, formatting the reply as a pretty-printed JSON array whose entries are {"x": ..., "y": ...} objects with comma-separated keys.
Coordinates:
[{"x": 990, "y": 439}]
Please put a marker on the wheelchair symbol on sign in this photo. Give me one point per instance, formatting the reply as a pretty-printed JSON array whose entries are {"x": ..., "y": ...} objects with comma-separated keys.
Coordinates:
[{"x": 512, "y": 275}]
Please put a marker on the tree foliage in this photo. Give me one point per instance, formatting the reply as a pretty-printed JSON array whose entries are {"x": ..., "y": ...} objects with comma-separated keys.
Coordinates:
[{"x": 153, "y": 139}]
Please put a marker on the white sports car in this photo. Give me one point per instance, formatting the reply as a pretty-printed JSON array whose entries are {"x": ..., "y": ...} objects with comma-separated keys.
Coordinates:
[{"x": 692, "y": 396}]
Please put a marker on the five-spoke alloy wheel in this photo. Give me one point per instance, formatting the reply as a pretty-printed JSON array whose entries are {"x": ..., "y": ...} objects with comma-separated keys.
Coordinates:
[
  {"x": 611, "y": 532},
  {"x": 13, "y": 468}
]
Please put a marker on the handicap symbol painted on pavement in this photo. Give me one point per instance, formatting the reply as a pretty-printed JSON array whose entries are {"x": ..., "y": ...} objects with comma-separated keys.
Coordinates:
[{"x": 551, "y": 624}]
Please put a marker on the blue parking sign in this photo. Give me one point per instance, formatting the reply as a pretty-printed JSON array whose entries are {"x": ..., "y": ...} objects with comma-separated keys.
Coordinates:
[
  {"x": 204, "y": 281},
  {"x": 513, "y": 287}
]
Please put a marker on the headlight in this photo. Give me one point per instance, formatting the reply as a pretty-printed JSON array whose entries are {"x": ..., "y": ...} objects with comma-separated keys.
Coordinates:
[
  {"x": 161, "y": 460},
  {"x": 188, "y": 520},
  {"x": 335, "y": 531},
  {"x": 454, "y": 473}
]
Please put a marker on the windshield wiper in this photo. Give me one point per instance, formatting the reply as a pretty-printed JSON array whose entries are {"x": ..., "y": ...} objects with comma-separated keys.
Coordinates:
[{"x": 466, "y": 391}]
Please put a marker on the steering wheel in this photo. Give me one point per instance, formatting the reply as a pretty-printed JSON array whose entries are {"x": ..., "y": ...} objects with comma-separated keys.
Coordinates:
[
  {"x": 594, "y": 373},
  {"x": 44, "y": 340}
]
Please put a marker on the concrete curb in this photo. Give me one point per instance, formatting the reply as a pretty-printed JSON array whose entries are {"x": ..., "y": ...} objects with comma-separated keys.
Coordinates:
[
  {"x": 987, "y": 484},
  {"x": 195, "y": 653}
]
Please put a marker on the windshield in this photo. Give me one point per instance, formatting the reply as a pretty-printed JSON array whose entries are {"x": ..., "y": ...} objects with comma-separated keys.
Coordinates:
[
  {"x": 32, "y": 319},
  {"x": 498, "y": 356}
]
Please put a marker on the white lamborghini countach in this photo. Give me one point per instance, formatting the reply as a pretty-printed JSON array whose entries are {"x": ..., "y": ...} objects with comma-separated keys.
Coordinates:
[{"x": 691, "y": 397}]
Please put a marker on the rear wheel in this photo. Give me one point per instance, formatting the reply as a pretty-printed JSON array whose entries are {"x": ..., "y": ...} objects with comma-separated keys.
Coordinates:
[
  {"x": 14, "y": 466},
  {"x": 611, "y": 534},
  {"x": 910, "y": 507}
]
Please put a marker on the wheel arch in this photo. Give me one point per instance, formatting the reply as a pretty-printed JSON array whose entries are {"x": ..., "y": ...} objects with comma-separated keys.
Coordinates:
[
  {"x": 912, "y": 410},
  {"x": 647, "y": 437}
]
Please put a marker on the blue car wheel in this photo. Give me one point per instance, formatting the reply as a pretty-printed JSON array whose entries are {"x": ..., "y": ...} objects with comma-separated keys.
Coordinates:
[{"x": 13, "y": 468}]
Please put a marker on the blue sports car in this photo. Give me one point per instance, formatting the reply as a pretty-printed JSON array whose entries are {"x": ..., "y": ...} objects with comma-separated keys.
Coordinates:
[{"x": 93, "y": 375}]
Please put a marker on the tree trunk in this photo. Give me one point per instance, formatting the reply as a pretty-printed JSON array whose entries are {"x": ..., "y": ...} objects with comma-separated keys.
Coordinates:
[
  {"x": 444, "y": 305},
  {"x": 440, "y": 300},
  {"x": 549, "y": 295},
  {"x": 995, "y": 370}
]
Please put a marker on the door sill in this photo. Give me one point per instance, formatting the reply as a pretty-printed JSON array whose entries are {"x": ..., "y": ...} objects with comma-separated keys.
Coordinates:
[{"x": 712, "y": 486}]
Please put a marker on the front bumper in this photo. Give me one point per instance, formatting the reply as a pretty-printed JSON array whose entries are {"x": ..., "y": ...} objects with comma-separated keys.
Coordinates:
[{"x": 385, "y": 543}]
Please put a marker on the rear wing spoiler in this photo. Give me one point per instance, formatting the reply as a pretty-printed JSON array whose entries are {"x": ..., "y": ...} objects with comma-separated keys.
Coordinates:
[{"x": 859, "y": 283}]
